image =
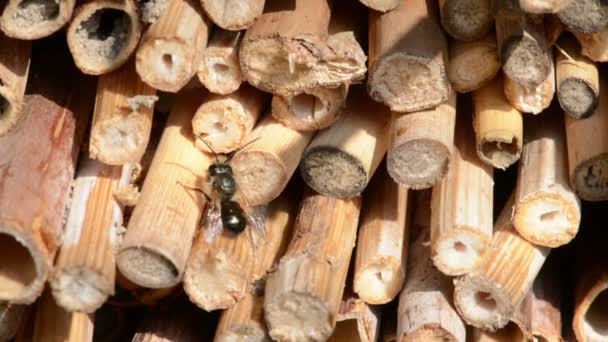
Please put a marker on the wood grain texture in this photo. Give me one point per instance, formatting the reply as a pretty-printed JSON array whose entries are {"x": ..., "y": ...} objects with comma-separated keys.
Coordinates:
[
  {"x": 54, "y": 324},
  {"x": 356, "y": 321}
]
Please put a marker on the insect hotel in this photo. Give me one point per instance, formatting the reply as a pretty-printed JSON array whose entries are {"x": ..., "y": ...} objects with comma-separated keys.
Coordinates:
[{"x": 303, "y": 170}]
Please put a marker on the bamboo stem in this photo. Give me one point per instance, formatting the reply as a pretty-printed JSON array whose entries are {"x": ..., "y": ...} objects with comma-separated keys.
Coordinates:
[
  {"x": 12, "y": 317},
  {"x": 233, "y": 14},
  {"x": 510, "y": 333},
  {"x": 589, "y": 321},
  {"x": 161, "y": 229},
  {"x": 382, "y": 247},
  {"x": 244, "y": 321},
  {"x": 22, "y": 19},
  {"x": 356, "y": 321},
  {"x": 103, "y": 34},
  {"x": 219, "y": 70},
  {"x": 543, "y": 6},
  {"x": 311, "y": 275},
  {"x": 54, "y": 324},
  {"x": 585, "y": 16},
  {"x": 408, "y": 42},
  {"x": 473, "y": 64},
  {"x": 381, "y": 5},
  {"x": 594, "y": 45},
  {"x": 14, "y": 68},
  {"x": 420, "y": 145},
  {"x": 340, "y": 160},
  {"x": 466, "y": 20}
]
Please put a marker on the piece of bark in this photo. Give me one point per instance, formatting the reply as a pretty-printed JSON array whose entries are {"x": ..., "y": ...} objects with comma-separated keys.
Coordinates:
[
  {"x": 407, "y": 57},
  {"x": 381, "y": 5},
  {"x": 420, "y": 145},
  {"x": 356, "y": 321},
  {"x": 473, "y": 64},
  {"x": 382, "y": 246},
  {"x": 54, "y": 324},
  {"x": 22, "y": 19},
  {"x": 180, "y": 322},
  {"x": 171, "y": 50},
  {"x": 461, "y": 206},
  {"x": 156, "y": 246},
  {"x": 122, "y": 120},
  {"x": 303, "y": 294},
  {"x": 263, "y": 168},
  {"x": 103, "y": 34},
  {"x": 219, "y": 70},
  {"x": 543, "y": 6},
  {"x": 14, "y": 67},
  {"x": 594, "y": 45},
  {"x": 577, "y": 78},
  {"x": 585, "y": 16},
  {"x": 588, "y": 152},
  {"x": 233, "y": 14},
  {"x": 498, "y": 126},
  {"x": 340, "y": 160},
  {"x": 12, "y": 317},
  {"x": 225, "y": 121},
  {"x": 466, "y": 20}
]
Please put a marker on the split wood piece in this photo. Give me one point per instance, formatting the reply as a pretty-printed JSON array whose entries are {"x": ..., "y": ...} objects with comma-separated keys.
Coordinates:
[
  {"x": 591, "y": 295},
  {"x": 32, "y": 204},
  {"x": 585, "y": 16},
  {"x": 219, "y": 70},
  {"x": 543, "y": 6},
  {"x": 425, "y": 310},
  {"x": 156, "y": 246},
  {"x": 382, "y": 246},
  {"x": 340, "y": 160},
  {"x": 233, "y": 14},
  {"x": 466, "y": 20},
  {"x": 498, "y": 126},
  {"x": 288, "y": 49},
  {"x": 12, "y": 316},
  {"x": 461, "y": 207},
  {"x": 54, "y": 324},
  {"x": 578, "y": 83},
  {"x": 244, "y": 321},
  {"x": 122, "y": 120},
  {"x": 356, "y": 321},
  {"x": 171, "y": 50},
  {"x": 407, "y": 58},
  {"x": 311, "y": 275},
  {"x": 85, "y": 270},
  {"x": 473, "y": 64},
  {"x": 533, "y": 99},
  {"x": 180, "y": 323},
  {"x": 510, "y": 333},
  {"x": 594, "y": 45},
  {"x": 381, "y": 5},
  {"x": 220, "y": 273},
  {"x": 23, "y": 19},
  {"x": 420, "y": 145},
  {"x": 225, "y": 121},
  {"x": 312, "y": 110},
  {"x": 522, "y": 44},
  {"x": 14, "y": 67},
  {"x": 103, "y": 34},
  {"x": 488, "y": 296},
  {"x": 588, "y": 152},
  {"x": 546, "y": 211},
  {"x": 263, "y": 168}
]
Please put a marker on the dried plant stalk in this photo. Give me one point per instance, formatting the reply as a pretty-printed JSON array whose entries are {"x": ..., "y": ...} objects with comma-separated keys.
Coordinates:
[
  {"x": 473, "y": 64},
  {"x": 589, "y": 321},
  {"x": 22, "y": 19},
  {"x": 510, "y": 333},
  {"x": 14, "y": 68},
  {"x": 219, "y": 70},
  {"x": 244, "y": 321},
  {"x": 54, "y": 324},
  {"x": 585, "y": 15},
  {"x": 466, "y": 20},
  {"x": 594, "y": 45},
  {"x": 233, "y": 14},
  {"x": 356, "y": 321}
]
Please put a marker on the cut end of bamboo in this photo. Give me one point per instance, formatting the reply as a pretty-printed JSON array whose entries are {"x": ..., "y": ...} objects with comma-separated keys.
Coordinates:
[
  {"x": 22, "y": 275},
  {"x": 80, "y": 290},
  {"x": 465, "y": 19},
  {"x": 309, "y": 111},
  {"x": 500, "y": 149},
  {"x": 430, "y": 333},
  {"x": 524, "y": 61},
  {"x": 591, "y": 316},
  {"x": 10, "y": 110},
  {"x": 409, "y": 83},
  {"x": 147, "y": 268},
  {"x": 590, "y": 178},
  {"x": 294, "y": 316},
  {"x": 381, "y": 5},
  {"x": 461, "y": 251},
  {"x": 35, "y": 19},
  {"x": 220, "y": 126},
  {"x": 118, "y": 140},
  {"x": 473, "y": 64},
  {"x": 233, "y": 15},
  {"x": 220, "y": 75},
  {"x": 481, "y": 303},
  {"x": 418, "y": 164},
  {"x": 249, "y": 173},
  {"x": 577, "y": 97},
  {"x": 585, "y": 16},
  {"x": 165, "y": 64},
  {"x": 381, "y": 280}
]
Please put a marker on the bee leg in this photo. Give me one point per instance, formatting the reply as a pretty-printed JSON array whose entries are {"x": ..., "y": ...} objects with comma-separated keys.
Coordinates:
[{"x": 207, "y": 197}]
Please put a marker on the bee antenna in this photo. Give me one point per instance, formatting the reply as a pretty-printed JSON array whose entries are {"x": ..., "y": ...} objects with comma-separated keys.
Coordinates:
[
  {"x": 209, "y": 147},
  {"x": 233, "y": 153}
]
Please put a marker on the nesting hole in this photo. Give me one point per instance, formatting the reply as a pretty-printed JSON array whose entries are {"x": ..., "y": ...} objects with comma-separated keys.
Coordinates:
[
  {"x": 485, "y": 300},
  {"x": 549, "y": 216},
  {"x": 35, "y": 11},
  {"x": 597, "y": 314},
  {"x": 500, "y": 152},
  {"x": 379, "y": 276},
  {"x": 18, "y": 269},
  {"x": 220, "y": 68},
  {"x": 5, "y": 107},
  {"x": 460, "y": 247},
  {"x": 168, "y": 60},
  {"x": 105, "y": 32},
  {"x": 307, "y": 106}
]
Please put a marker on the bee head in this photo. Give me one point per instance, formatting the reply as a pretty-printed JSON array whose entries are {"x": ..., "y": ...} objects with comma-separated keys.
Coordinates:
[{"x": 219, "y": 168}]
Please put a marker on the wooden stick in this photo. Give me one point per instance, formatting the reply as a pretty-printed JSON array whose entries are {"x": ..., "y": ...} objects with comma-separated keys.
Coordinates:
[
  {"x": 85, "y": 270},
  {"x": 340, "y": 161},
  {"x": 381, "y": 259},
  {"x": 498, "y": 126},
  {"x": 356, "y": 321},
  {"x": 30, "y": 20},
  {"x": 522, "y": 44},
  {"x": 407, "y": 41},
  {"x": 161, "y": 229},
  {"x": 510, "y": 333},
  {"x": 585, "y": 16},
  {"x": 578, "y": 82},
  {"x": 466, "y": 20},
  {"x": 461, "y": 207},
  {"x": 425, "y": 310},
  {"x": 219, "y": 70},
  {"x": 420, "y": 145},
  {"x": 543, "y": 6},
  {"x": 172, "y": 48},
  {"x": 488, "y": 296},
  {"x": 312, "y": 110},
  {"x": 547, "y": 211},
  {"x": 310, "y": 277},
  {"x": 288, "y": 50},
  {"x": 233, "y": 15},
  {"x": 533, "y": 99},
  {"x": 264, "y": 167},
  {"x": 473, "y": 64},
  {"x": 122, "y": 120},
  {"x": 180, "y": 323},
  {"x": 54, "y": 324},
  {"x": 103, "y": 34},
  {"x": 381, "y": 5},
  {"x": 14, "y": 67},
  {"x": 11, "y": 319},
  {"x": 594, "y": 45},
  {"x": 224, "y": 121},
  {"x": 588, "y": 152}
]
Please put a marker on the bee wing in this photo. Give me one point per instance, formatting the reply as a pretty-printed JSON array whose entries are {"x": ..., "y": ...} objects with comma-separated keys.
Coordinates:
[
  {"x": 212, "y": 225},
  {"x": 256, "y": 215}
]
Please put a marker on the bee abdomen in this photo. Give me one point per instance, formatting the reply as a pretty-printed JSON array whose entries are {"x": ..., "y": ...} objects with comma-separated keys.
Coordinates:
[{"x": 233, "y": 217}]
